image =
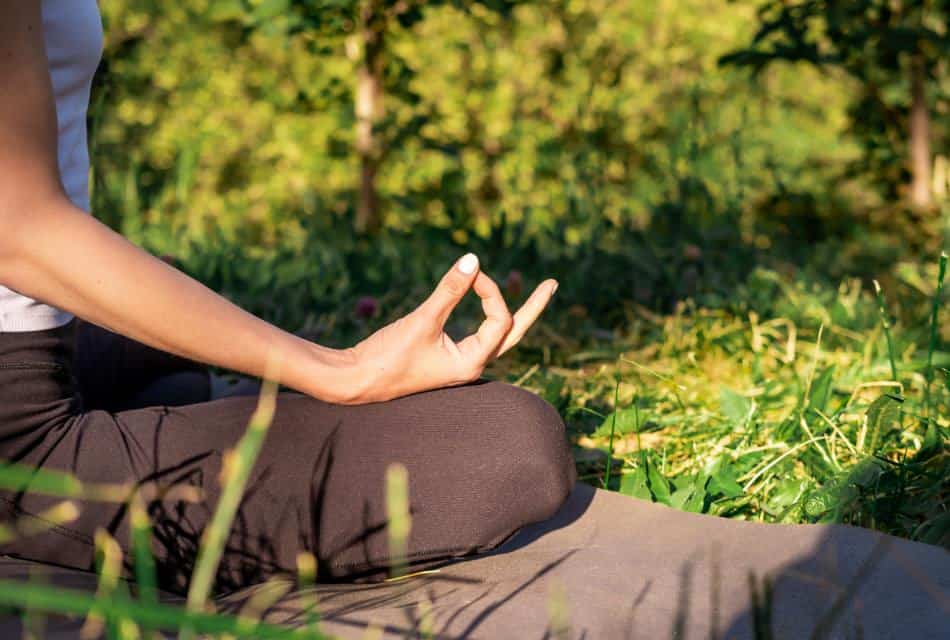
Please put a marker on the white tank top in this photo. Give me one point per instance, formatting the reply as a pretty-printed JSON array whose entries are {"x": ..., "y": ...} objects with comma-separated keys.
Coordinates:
[{"x": 72, "y": 31}]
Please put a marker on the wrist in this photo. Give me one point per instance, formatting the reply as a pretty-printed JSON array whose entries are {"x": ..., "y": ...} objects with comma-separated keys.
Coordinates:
[{"x": 332, "y": 375}]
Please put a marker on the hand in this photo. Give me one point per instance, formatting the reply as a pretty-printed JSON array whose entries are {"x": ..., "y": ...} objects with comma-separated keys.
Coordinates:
[{"x": 415, "y": 354}]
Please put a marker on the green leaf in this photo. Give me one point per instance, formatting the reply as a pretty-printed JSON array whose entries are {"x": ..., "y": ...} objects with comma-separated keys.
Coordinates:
[
  {"x": 268, "y": 9},
  {"x": 635, "y": 484},
  {"x": 723, "y": 480},
  {"x": 883, "y": 415},
  {"x": 937, "y": 531},
  {"x": 658, "y": 484},
  {"x": 787, "y": 493},
  {"x": 626, "y": 423},
  {"x": 553, "y": 388},
  {"x": 819, "y": 504},
  {"x": 697, "y": 500},
  {"x": 734, "y": 406},
  {"x": 224, "y": 10},
  {"x": 690, "y": 494},
  {"x": 932, "y": 443},
  {"x": 679, "y": 497},
  {"x": 821, "y": 389}
]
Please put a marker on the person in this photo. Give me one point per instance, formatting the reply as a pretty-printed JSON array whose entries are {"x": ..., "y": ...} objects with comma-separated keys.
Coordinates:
[{"x": 484, "y": 459}]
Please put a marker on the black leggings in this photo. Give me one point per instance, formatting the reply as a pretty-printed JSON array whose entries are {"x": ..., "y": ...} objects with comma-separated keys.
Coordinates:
[{"x": 483, "y": 460}]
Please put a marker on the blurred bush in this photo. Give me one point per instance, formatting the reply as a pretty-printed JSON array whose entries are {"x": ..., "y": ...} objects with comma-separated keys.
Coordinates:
[{"x": 239, "y": 117}]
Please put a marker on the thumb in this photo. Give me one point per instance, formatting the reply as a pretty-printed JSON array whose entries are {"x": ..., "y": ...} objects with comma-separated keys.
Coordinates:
[{"x": 451, "y": 289}]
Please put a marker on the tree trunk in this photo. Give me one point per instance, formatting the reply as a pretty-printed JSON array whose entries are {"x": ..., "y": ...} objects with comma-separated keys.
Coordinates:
[
  {"x": 369, "y": 109},
  {"x": 920, "y": 195}
]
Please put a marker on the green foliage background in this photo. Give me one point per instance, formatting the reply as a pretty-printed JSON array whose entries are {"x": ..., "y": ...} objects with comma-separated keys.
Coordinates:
[{"x": 230, "y": 119}]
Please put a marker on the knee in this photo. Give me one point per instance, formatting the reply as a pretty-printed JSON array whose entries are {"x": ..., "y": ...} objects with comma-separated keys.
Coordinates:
[{"x": 531, "y": 445}]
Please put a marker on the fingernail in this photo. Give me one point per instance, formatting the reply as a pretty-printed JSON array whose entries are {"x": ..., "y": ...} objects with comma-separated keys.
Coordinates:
[
  {"x": 468, "y": 263},
  {"x": 554, "y": 289}
]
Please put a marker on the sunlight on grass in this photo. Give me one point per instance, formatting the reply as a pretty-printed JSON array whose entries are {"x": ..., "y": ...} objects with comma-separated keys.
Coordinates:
[{"x": 816, "y": 416}]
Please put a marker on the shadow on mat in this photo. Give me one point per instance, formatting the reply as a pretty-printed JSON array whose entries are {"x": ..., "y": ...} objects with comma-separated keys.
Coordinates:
[{"x": 816, "y": 582}]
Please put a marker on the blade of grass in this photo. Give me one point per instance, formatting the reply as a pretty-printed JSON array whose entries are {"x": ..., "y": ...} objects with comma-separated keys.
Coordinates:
[
  {"x": 610, "y": 442},
  {"x": 400, "y": 522},
  {"x": 306, "y": 580},
  {"x": 234, "y": 476},
  {"x": 33, "y": 620},
  {"x": 14, "y": 593},
  {"x": 141, "y": 535},
  {"x": 26, "y": 478},
  {"x": 797, "y": 447},
  {"x": 559, "y": 625},
  {"x": 29, "y": 525},
  {"x": 886, "y": 323},
  {"x": 142, "y": 559},
  {"x": 934, "y": 335},
  {"x": 814, "y": 369},
  {"x": 109, "y": 557},
  {"x": 264, "y": 597}
]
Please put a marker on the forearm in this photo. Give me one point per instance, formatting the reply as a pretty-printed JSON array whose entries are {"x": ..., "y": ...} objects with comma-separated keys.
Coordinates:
[{"x": 66, "y": 258}]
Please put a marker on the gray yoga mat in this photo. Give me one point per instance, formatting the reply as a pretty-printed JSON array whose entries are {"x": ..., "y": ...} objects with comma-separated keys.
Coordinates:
[{"x": 608, "y": 566}]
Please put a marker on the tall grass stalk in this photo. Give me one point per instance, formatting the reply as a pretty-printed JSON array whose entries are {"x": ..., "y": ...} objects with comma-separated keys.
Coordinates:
[
  {"x": 306, "y": 580},
  {"x": 143, "y": 561},
  {"x": 60, "y": 514},
  {"x": 39, "y": 597},
  {"x": 23, "y": 478},
  {"x": 234, "y": 476},
  {"x": 34, "y": 620},
  {"x": 109, "y": 557},
  {"x": 934, "y": 335},
  {"x": 559, "y": 625},
  {"x": 263, "y": 598},
  {"x": 886, "y": 323},
  {"x": 142, "y": 550},
  {"x": 613, "y": 431},
  {"x": 814, "y": 370},
  {"x": 400, "y": 522}
]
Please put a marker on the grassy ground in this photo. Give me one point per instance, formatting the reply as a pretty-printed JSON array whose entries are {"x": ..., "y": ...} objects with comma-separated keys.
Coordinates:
[{"x": 787, "y": 413}]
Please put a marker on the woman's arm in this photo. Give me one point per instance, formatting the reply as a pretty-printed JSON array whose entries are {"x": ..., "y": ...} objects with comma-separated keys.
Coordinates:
[{"x": 52, "y": 251}]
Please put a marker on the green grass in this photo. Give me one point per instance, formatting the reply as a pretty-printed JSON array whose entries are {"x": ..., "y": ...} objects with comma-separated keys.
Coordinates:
[{"x": 811, "y": 411}]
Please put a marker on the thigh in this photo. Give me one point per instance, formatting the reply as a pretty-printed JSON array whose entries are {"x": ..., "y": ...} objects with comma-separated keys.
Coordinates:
[
  {"x": 483, "y": 460},
  {"x": 164, "y": 447}
]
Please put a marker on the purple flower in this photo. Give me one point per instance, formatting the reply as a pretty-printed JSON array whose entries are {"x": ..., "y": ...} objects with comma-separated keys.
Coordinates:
[
  {"x": 366, "y": 307},
  {"x": 514, "y": 284},
  {"x": 692, "y": 253}
]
